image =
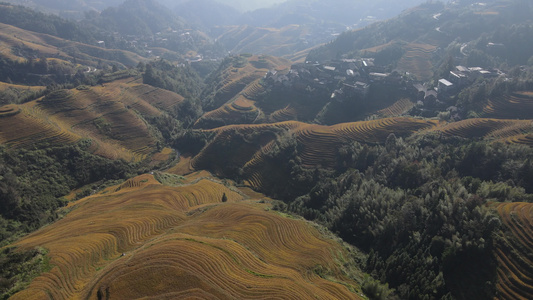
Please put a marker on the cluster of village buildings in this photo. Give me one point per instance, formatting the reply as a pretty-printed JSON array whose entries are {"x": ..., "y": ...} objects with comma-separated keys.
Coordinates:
[
  {"x": 166, "y": 39},
  {"x": 356, "y": 76},
  {"x": 351, "y": 77}
]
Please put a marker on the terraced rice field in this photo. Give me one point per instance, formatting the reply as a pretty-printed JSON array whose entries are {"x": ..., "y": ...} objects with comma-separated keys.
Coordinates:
[
  {"x": 245, "y": 80},
  {"x": 247, "y": 39},
  {"x": 288, "y": 113},
  {"x": 499, "y": 129},
  {"x": 299, "y": 57},
  {"x": 240, "y": 110},
  {"x": 163, "y": 155},
  {"x": 109, "y": 115},
  {"x": 49, "y": 46},
  {"x": 9, "y": 110},
  {"x": 22, "y": 88},
  {"x": 525, "y": 139},
  {"x": 97, "y": 114},
  {"x": 143, "y": 239},
  {"x": 317, "y": 145},
  {"x": 243, "y": 104},
  {"x": 12, "y": 37},
  {"x": 20, "y": 128},
  {"x": 399, "y": 108},
  {"x": 517, "y": 105},
  {"x": 377, "y": 49},
  {"x": 253, "y": 90},
  {"x": 417, "y": 60},
  {"x": 514, "y": 253}
]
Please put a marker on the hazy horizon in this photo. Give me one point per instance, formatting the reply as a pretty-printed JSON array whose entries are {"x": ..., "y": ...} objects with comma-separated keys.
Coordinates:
[{"x": 248, "y": 5}]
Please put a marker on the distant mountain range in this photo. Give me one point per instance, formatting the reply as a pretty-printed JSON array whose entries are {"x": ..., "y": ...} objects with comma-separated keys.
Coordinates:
[
  {"x": 233, "y": 24},
  {"x": 318, "y": 22},
  {"x": 476, "y": 35},
  {"x": 157, "y": 124}
]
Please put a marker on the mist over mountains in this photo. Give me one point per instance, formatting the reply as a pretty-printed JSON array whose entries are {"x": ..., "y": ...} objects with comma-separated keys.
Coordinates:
[
  {"x": 282, "y": 149},
  {"x": 277, "y": 27}
]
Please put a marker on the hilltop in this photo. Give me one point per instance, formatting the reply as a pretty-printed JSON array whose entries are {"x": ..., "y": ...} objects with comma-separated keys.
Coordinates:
[{"x": 142, "y": 238}]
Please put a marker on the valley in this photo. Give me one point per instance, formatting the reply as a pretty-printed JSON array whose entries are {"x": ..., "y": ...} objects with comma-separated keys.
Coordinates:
[{"x": 297, "y": 151}]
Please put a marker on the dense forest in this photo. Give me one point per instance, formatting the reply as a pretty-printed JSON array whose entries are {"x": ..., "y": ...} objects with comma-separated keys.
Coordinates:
[
  {"x": 35, "y": 180},
  {"x": 418, "y": 207}
]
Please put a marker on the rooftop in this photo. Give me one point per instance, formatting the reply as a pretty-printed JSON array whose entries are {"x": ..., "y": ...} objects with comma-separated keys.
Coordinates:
[{"x": 445, "y": 82}]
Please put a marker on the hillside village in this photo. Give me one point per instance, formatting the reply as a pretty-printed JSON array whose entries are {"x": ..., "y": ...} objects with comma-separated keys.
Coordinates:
[{"x": 353, "y": 78}]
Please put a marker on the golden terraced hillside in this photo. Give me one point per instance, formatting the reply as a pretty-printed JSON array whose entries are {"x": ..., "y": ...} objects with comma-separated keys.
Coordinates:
[
  {"x": 236, "y": 90},
  {"x": 247, "y": 146},
  {"x": 504, "y": 130},
  {"x": 15, "y": 41},
  {"x": 143, "y": 239},
  {"x": 107, "y": 114},
  {"x": 417, "y": 60},
  {"x": 513, "y": 251}
]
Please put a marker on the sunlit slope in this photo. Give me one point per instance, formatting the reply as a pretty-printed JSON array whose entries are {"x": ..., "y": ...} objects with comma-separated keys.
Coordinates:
[
  {"x": 518, "y": 105},
  {"x": 16, "y": 43},
  {"x": 417, "y": 60},
  {"x": 20, "y": 127},
  {"x": 399, "y": 108},
  {"x": 111, "y": 115},
  {"x": 317, "y": 145},
  {"x": 244, "y": 150},
  {"x": 240, "y": 110},
  {"x": 272, "y": 41},
  {"x": 240, "y": 77},
  {"x": 513, "y": 252},
  {"x": 506, "y": 130},
  {"x": 182, "y": 242}
]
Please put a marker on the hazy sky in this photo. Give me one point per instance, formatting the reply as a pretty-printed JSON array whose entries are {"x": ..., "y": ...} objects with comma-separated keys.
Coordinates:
[{"x": 245, "y": 5}]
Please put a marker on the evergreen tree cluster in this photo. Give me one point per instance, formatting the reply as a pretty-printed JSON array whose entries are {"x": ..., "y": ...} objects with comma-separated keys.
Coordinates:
[
  {"x": 35, "y": 180},
  {"x": 419, "y": 208}
]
